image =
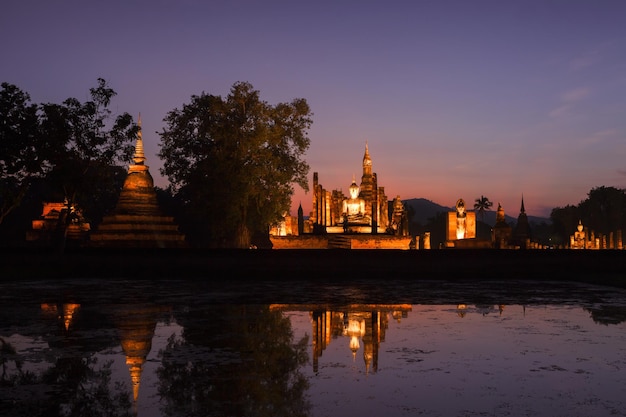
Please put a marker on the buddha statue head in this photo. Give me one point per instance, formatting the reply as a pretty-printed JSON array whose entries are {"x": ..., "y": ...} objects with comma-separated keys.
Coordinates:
[
  {"x": 460, "y": 208},
  {"x": 354, "y": 190}
]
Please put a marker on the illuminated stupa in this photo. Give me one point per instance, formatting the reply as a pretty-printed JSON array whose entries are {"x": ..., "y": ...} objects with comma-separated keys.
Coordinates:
[{"x": 137, "y": 220}]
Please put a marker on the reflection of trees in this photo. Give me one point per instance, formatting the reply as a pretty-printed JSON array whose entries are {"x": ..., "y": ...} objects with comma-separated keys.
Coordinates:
[
  {"x": 234, "y": 361},
  {"x": 86, "y": 389},
  {"x": 76, "y": 383},
  {"x": 74, "y": 386},
  {"x": 608, "y": 314}
]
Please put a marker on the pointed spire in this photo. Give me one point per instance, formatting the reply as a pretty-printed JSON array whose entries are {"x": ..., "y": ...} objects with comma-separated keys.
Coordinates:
[
  {"x": 139, "y": 158},
  {"x": 366, "y": 158},
  {"x": 522, "y": 209}
]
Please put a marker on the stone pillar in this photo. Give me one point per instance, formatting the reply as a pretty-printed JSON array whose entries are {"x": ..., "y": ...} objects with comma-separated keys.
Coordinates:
[
  {"x": 375, "y": 205},
  {"x": 618, "y": 244},
  {"x": 315, "y": 212},
  {"x": 426, "y": 240}
]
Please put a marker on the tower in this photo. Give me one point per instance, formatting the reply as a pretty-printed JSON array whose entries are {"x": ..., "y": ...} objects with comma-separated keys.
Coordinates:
[
  {"x": 367, "y": 183},
  {"x": 521, "y": 233}
]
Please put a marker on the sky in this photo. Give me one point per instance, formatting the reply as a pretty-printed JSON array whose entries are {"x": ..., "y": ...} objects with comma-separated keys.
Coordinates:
[{"x": 455, "y": 98}]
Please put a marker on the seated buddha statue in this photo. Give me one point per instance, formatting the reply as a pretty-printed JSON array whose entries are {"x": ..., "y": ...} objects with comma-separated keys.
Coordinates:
[
  {"x": 579, "y": 236},
  {"x": 354, "y": 207}
]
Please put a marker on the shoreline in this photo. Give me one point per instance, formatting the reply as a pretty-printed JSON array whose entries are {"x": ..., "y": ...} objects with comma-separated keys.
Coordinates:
[{"x": 605, "y": 267}]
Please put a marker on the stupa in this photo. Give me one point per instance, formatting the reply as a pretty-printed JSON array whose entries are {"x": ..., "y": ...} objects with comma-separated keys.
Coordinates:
[{"x": 137, "y": 220}]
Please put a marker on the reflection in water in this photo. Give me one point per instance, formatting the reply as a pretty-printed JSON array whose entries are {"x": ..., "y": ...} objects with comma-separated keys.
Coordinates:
[
  {"x": 136, "y": 325},
  {"x": 234, "y": 361},
  {"x": 185, "y": 355},
  {"x": 361, "y": 324}
]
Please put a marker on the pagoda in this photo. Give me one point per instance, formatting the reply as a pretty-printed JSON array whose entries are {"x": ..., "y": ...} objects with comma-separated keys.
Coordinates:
[{"x": 137, "y": 220}]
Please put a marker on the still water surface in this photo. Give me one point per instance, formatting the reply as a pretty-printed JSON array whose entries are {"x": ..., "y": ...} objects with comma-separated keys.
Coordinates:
[{"x": 432, "y": 348}]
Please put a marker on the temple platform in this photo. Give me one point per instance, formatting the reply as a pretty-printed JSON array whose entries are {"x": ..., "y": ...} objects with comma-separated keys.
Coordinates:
[
  {"x": 353, "y": 228},
  {"x": 341, "y": 241}
]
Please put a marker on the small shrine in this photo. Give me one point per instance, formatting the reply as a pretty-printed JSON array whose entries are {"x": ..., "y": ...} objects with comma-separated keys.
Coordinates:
[
  {"x": 501, "y": 232},
  {"x": 461, "y": 225},
  {"x": 52, "y": 222},
  {"x": 137, "y": 220}
]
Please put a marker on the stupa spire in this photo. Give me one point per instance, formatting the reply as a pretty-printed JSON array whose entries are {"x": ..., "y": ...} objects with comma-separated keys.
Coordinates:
[
  {"x": 367, "y": 160},
  {"x": 139, "y": 157}
]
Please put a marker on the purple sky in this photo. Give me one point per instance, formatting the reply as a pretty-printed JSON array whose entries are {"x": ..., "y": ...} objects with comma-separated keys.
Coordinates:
[{"x": 456, "y": 99}]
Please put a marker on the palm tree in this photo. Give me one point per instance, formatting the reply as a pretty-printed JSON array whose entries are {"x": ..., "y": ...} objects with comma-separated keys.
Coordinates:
[{"x": 481, "y": 205}]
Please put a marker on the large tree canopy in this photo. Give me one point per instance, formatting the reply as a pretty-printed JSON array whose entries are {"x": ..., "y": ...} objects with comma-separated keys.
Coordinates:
[
  {"x": 232, "y": 162},
  {"x": 603, "y": 212},
  {"x": 71, "y": 151},
  {"x": 20, "y": 159},
  {"x": 87, "y": 147}
]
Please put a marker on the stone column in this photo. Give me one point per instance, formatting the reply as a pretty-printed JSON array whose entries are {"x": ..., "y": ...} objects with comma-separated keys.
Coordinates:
[{"x": 375, "y": 210}]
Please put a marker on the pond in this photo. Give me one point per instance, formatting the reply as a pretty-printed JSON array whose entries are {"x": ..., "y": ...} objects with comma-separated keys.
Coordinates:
[{"x": 261, "y": 348}]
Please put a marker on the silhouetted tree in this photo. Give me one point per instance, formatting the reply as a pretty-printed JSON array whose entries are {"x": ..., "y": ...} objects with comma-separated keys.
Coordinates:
[
  {"x": 233, "y": 161},
  {"x": 21, "y": 155},
  {"x": 437, "y": 227},
  {"x": 85, "y": 143},
  {"x": 564, "y": 221},
  {"x": 481, "y": 205},
  {"x": 603, "y": 211}
]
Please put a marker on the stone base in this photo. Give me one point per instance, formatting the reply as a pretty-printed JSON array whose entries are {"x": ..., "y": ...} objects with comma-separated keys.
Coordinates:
[
  {"x": 137, "y": 231},
  {"x": 344, "y": 241},
  {"x": 357, "y": 228},
  {"x": 469, "y": 244}
]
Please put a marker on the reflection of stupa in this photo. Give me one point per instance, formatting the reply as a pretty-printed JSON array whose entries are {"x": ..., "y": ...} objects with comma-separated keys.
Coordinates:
[
  {"x": 137, "y": 220},
  {"x": 65, "y": 313},
  {"x": 136, "y": 325}
]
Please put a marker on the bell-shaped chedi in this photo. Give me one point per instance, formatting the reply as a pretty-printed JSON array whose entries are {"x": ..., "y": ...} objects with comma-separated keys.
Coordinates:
[{"x": 137, "y": 220}]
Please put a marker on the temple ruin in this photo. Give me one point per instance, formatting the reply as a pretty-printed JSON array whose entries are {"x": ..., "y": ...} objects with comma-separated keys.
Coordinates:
[{"x": 361, "y": 220}]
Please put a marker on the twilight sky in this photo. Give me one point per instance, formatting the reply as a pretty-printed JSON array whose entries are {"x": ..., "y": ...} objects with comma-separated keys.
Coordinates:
[{"x": 456, "y": 99}]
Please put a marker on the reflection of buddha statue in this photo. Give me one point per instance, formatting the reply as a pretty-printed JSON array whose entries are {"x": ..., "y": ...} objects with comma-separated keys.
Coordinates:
[
  {"x": 355, "y": 330},
  {"x": 460, "y": 219},
  {"x": 354, "y": 207}
]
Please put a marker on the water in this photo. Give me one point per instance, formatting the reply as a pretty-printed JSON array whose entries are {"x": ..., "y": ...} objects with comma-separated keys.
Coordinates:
[{"x": 262, "y": 348}]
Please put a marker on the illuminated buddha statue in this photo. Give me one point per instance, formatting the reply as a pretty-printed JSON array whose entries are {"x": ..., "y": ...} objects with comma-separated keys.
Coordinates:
[
  {"x": 460, "y": 219},
  {"x": 579, "y": 236},
  {"x": 354, "y": 207}
]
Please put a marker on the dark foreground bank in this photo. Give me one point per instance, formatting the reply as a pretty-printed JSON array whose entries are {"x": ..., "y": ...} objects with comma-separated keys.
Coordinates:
[{"x": 607, "y": 267}]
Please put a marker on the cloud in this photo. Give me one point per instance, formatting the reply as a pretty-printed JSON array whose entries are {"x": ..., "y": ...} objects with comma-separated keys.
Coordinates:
[
  {"x": 568, "y": 99},
  {"x": 598, "y": 137},
  {"x": 559, "y": 112},
  {"x": 585, "y": 60},
  {"x": 575, "y": 95}
]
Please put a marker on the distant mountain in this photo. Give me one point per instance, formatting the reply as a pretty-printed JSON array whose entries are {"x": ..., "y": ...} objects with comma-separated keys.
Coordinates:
[{"x": 425, "y": 209}]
